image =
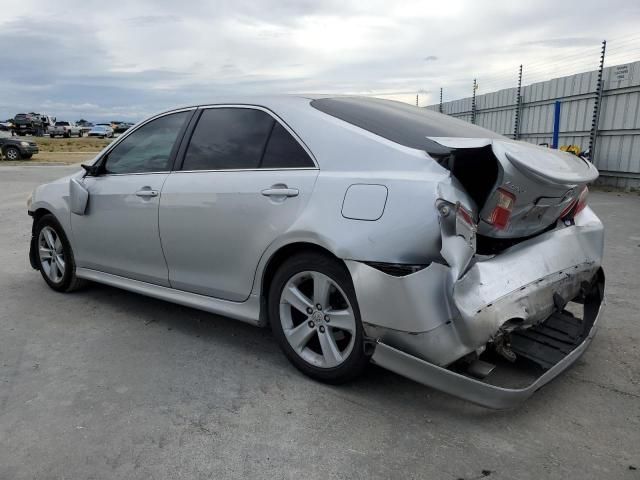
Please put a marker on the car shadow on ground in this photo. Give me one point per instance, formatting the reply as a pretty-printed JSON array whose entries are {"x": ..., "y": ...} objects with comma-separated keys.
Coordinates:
[{"x": 376, "y": 388}]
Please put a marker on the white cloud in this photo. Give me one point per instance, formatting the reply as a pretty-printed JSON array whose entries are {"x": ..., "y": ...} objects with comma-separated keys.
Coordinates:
[{"x": 146, "y": 55}]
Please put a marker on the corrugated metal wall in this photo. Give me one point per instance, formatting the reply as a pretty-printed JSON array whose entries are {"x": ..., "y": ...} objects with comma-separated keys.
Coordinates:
[{"x": 617, "y": 153}]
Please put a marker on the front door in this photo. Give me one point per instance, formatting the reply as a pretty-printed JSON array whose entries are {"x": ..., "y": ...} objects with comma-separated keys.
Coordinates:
[
  {"x": 119, "y": 232},
  {"x": 244, "y": 181}
]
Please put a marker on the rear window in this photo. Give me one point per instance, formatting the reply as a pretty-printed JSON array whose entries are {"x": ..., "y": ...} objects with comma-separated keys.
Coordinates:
[{"x": 400, "y": 122}]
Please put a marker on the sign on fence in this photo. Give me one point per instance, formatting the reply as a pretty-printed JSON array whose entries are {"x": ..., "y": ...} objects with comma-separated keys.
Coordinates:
[{"x": 620, "y": 73}]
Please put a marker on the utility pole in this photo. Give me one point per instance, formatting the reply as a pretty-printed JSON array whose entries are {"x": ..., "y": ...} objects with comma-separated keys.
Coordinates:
[
  {"x": 440, "y": 99},
  {"x": 417, "y": 99},
  {"x": 516, "y": 123},
  {"x": 597, "y": 104},
  {"x": 473, "y": 102}
]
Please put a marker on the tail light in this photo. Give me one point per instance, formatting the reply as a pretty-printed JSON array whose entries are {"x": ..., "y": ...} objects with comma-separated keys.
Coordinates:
[
  {"x": 582, "y": 201},
  {"x": 503, "y": 204},
  {"x": 577, "y": 205},
  {"x": 465, "y": 216}
]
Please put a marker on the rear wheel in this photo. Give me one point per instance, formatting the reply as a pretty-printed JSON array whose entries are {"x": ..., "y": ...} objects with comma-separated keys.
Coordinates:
[
  {"x": 54, "y": 255},
  {"x": 52, "y": 135},
  {"x": 315, "y": 317},
  {"x": 12, "y": 153}
]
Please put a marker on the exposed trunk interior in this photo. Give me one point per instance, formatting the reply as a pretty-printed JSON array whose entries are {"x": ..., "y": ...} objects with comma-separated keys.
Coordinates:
[
  {"x": 520, "y": 190},
  {"x": 476, "y": 169}
]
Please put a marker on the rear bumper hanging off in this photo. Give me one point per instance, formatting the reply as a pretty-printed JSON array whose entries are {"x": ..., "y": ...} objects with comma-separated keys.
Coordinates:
[{"x": 563, "y": 355}]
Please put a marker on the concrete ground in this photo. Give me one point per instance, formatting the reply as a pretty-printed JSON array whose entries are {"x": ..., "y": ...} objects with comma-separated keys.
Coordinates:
[{"x": 108, "y": 384}]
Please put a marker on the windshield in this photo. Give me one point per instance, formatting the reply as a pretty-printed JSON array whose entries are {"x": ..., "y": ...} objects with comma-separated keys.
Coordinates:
[{"x": 400, "y": 122}]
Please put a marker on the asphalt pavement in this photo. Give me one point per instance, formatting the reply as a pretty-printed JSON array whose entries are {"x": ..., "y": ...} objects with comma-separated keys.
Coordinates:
[{"x": 103, "y": 383}]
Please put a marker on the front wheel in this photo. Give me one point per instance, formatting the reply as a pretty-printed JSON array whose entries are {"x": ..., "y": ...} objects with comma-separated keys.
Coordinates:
[
  {"x": 12, "y": 153},
  {"x": 54, "y": 255},
  {"x": 315, "y": 317}
]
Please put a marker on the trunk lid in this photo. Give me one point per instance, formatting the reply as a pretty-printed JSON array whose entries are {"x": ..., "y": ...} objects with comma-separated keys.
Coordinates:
[{"x": 534, "y": 183}]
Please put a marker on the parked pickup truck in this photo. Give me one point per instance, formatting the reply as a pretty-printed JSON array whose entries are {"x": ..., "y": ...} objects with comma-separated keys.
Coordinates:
[
  {"x": 32, "y": 124},
  {"x": 15, "y": 149},
  {"x": 65, "y": 129}
]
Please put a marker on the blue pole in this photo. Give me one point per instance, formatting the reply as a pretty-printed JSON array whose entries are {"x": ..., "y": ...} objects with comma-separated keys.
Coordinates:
[{"x": 556, "y": 125}]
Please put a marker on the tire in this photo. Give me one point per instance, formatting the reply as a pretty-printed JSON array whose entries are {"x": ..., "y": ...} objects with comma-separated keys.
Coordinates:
[
  {"x": 80, "y": 134},
  {"x": 67, "y": 135},
  {"x": 12, "y": 153},
  {"x": 49, "y": 236},
  {"x": 323, "y": 351},
  {"x": 52, "y": 135}
]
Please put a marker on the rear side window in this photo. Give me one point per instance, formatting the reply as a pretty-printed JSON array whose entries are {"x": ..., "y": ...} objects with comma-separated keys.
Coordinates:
[
  {"x": 284, "y": 151},
  {"x": 228, "y": 138},
  {"x": 242, "y": 138}
]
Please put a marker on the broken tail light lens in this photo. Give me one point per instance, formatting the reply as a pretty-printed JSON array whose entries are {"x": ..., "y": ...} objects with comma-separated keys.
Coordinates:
[
  {"x": 465, "y": 215},
  {"x": 503, "y": 201},
  {"x": 582, "y": 201},
  {"x": 576, "y": 206}
]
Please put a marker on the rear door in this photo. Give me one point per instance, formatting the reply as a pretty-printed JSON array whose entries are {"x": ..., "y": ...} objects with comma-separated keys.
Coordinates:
[
  {"x": 243, "y": 182},
  {"x": 119, "y": 232}
]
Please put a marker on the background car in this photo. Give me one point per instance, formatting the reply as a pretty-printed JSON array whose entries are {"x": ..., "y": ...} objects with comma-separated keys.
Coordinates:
[
  {"x": 102, "y": 131},
  {"x": 65, "y": 129},
  {"x": 122, "y": 127},
  {"x": 17, "y": 149}
]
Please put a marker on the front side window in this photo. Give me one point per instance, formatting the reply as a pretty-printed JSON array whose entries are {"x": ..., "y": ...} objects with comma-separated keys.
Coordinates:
[
  {"x": 148, "y": 149},
  {"x": 242, "y": 138}
]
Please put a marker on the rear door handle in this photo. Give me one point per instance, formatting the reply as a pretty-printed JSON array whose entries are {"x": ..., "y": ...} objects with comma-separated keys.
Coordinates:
[
  {"x": 147, "y": 193},
  {"x": 280, "y": 192}
]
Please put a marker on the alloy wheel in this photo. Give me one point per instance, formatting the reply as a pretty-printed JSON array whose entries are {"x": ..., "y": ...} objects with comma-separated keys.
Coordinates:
[
  {"x": 51, "y": 254},
  {"x": 317, "y": 319},
  {"x": 12, "y": 154}
]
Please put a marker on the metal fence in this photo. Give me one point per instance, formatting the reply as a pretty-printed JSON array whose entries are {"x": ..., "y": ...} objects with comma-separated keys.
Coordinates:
[{"x": 565, "y": 107}]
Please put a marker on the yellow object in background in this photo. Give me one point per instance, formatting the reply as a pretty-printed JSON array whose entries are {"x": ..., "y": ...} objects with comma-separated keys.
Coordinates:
[{"x": 575, "y": 149}]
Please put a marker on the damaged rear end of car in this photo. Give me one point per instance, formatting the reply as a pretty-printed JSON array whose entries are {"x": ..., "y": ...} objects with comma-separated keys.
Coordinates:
[
  {"x": 514, "y": 294},
  {"x": 520, "y": 276}
]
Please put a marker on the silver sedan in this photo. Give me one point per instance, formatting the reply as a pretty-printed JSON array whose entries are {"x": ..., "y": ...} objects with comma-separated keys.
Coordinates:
[{"x": 360, "y": 230}]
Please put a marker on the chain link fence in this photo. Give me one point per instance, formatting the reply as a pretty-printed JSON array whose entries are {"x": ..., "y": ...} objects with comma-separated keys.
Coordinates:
[{"x": 595, "y": 112}]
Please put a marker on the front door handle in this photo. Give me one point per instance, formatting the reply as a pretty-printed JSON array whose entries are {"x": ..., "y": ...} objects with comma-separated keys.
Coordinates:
[
  {"x": 147, "y": 193},
  {"x": 280, "y": 192}
]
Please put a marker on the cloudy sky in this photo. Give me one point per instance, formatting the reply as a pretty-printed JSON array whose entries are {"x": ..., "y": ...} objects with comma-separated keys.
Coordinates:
[{"x": 105, "y": 60}]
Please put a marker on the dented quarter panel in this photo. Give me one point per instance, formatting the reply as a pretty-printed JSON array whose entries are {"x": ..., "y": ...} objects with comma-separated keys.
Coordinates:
[{"x": 519, "y": 283}]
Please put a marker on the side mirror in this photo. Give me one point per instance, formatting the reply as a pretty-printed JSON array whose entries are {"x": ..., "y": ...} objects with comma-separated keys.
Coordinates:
[
  {"x": 91, "y": 170},
  {"x": 78, "y": 196}
]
